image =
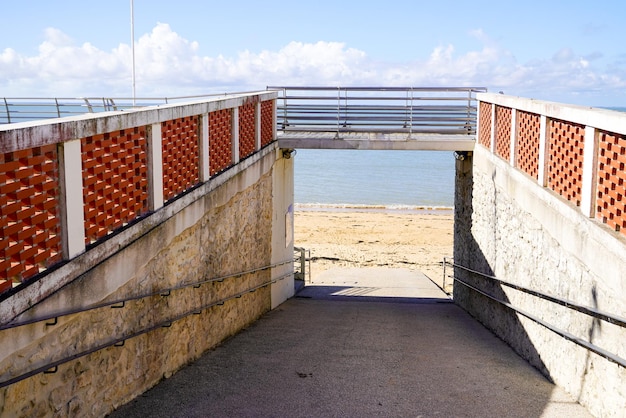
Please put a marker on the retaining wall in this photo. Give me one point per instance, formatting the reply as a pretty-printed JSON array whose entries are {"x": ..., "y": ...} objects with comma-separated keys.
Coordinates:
[
  {"x": 532, "y": 211},
  {"x": 211, "y": 254}
]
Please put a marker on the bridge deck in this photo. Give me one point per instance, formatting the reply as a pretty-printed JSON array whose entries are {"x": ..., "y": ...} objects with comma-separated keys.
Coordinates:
[{"x": 375, "y": 141}]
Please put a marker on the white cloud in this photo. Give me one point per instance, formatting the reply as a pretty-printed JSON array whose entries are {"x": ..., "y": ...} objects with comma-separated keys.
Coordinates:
[{"x": 169, "y": 65}]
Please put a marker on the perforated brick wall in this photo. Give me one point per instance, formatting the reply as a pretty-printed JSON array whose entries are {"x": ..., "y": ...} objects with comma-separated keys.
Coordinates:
[
  {"x": 220, "y": 141},
  {"x": 611, "y": 191},
  {"x": 484, "y": 136},
  {"x": 29, "y": 224},
  {"x": 503, "y": 132},
  {"x": 267, "y": 122},
  {"x": 115, "y": 180},
  {"x": 527, "y": 151},
  {"x": 247, "y": 130},
  {"x": 565, "y": 159},
  {"x": 181, "y": 155}
]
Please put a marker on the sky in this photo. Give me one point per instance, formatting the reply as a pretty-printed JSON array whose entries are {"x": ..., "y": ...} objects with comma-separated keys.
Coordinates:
[{"x": 564, "y": 51}]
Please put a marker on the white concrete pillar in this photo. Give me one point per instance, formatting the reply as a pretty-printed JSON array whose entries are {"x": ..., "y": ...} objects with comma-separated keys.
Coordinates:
[
  {"x": 205, "y": 173},
  {"x": 71, "y": 199},
  {"x": 513, "y": 150},
  {"x": 257, "y": 126},
  {"x": 543, "y": 151},
  {"x": 155, "y": 166},
  {"x": 493, "y": 128},
  {"x": 587, "y": 199},
  {"x": 235, "y": 135},
  {"x": 275, "y": 118}
]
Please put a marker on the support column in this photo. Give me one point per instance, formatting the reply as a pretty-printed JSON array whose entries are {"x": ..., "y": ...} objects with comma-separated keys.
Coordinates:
[
  {"x": 205, "y": 173},
  {"x": 155, "y": 166},
  {"x": 235, "y": 135},
  {"x": 590, "y": 157},
  {"x": 513, "y": 149},
  {"x": 257, "y": 126},
  {"x": 543, "y": 152},
  {"x": 71, "y": 199}
]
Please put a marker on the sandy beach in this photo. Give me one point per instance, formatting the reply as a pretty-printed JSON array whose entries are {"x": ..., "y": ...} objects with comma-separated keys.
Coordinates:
[{"x": 415, "y": 240}]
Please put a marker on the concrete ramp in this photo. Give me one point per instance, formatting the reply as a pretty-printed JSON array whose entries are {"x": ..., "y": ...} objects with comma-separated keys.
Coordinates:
[
  {"x": 322, "y": 354},
  {"x": 374, "y": 284}
]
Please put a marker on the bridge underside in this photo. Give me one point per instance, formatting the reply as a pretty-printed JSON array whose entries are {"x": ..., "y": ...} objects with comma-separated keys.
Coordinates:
[{"x": 376, "y": 141}]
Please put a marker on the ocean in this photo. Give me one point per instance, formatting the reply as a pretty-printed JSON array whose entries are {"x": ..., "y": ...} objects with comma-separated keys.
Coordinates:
[{"x": 373, "y": 179}]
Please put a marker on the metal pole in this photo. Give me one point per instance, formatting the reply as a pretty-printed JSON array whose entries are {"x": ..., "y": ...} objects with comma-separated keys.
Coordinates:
[{"x": 132, "y": 43}]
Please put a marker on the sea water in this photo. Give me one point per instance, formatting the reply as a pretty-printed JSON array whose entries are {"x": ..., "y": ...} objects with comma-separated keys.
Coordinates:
[{"x": 374, "y": 179}]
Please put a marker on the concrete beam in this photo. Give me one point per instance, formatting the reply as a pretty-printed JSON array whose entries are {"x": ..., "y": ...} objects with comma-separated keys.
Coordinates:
[{"x": 415, "y": 143}]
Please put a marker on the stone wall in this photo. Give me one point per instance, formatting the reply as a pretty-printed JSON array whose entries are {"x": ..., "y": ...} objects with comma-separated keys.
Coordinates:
[
  {"x": 218, "y": 235},
  {"x": 509, "y": 227}
]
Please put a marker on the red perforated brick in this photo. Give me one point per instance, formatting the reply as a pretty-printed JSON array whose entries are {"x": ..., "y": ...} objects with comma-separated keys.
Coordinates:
[
  {"x": 611, "y": 190},
  {"x": 503, "y": 132},
  {"x": 29, "y": 223},
  {"x": 247, "y": 130},
  {"x": 267, "y": 122},
  {"x": 181, "y": 155},
  {"x": 115, "y": 180},
  {"x": 220, "y": 141},
  {"x": 484, "y": 136},
  {"x": 565, "y": 159},
  {"x": 527, "y": 154}
]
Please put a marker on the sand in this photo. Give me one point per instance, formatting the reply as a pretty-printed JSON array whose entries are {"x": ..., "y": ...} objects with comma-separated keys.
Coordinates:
[{"x": 362, "y": 239}]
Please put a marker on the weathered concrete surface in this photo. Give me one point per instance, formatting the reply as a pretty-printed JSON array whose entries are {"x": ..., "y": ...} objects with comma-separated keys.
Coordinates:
[
  {"x": 509, "y": 227},
  {"x": 319, "y": 355},
  {"x": 224, "y": 232}
]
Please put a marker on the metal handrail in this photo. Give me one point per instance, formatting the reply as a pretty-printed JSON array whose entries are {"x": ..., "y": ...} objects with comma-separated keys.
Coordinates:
[
  {"x": 25, "y": 109},
  {"x": 122, "y": 301},
  {"x": 119, "y": 341},
  {"x": 595, "y": 313},
  {"x": 438, "y": 110}
]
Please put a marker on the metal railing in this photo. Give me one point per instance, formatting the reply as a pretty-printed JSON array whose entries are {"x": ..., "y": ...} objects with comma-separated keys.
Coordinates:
[
  {"x": 51, "y": 366},
  {"x": 590, "y": 311},
  {"x": 25, "y": 109},
  {"x": 300, "y": 261},
  {"x": 432, "y": 110}
]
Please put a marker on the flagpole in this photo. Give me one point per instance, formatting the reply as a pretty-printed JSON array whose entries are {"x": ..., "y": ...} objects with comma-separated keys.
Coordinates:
[{"x": 132, "y": 43}]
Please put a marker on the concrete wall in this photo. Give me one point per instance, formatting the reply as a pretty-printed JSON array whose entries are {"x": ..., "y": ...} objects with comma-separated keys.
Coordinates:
[
  {"x": 509, "y": 226},
  {"x": 215, "y": 234},
  {"x": 194, "y": 271}
]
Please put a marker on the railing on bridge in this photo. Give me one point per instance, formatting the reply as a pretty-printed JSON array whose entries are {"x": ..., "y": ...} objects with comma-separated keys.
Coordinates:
[
  {"x": 24, "y": 109},
  {"x": 419, "y": 110}
]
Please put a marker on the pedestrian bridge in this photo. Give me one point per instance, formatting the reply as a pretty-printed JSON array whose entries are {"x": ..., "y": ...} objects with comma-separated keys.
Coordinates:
[{"x": 377, "y": 118}]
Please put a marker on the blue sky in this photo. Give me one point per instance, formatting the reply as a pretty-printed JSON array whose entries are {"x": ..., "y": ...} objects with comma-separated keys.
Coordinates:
[{"x": 567, "y": 51}]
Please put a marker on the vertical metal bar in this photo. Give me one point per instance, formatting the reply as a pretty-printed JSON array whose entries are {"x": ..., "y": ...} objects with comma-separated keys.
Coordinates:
[
  {"x": 445, "y": 261},
  {"x": 88, "y": 104},
  {"x": 411, "y": 116},
  {"x": 469, "y": 113},
  {"x": 302, "y": 263},
  {"x": 58, "y": 110},
  {"x": 285, "y": 122},
  {"x": 6, "y": 106},
  {"x": 338, "y": 108}
]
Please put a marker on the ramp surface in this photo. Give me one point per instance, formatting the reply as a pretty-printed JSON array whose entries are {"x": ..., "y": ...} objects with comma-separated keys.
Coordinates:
[{"x": 324, "y": 354}]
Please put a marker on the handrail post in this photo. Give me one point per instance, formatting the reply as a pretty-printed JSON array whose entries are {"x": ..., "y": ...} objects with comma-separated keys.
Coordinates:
[
  {"x": 6, "y": 105},
  {"x": 338, "y": 109},
  {"x": 411, "y": 115},
  {"x": 285, "y": 122}
]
